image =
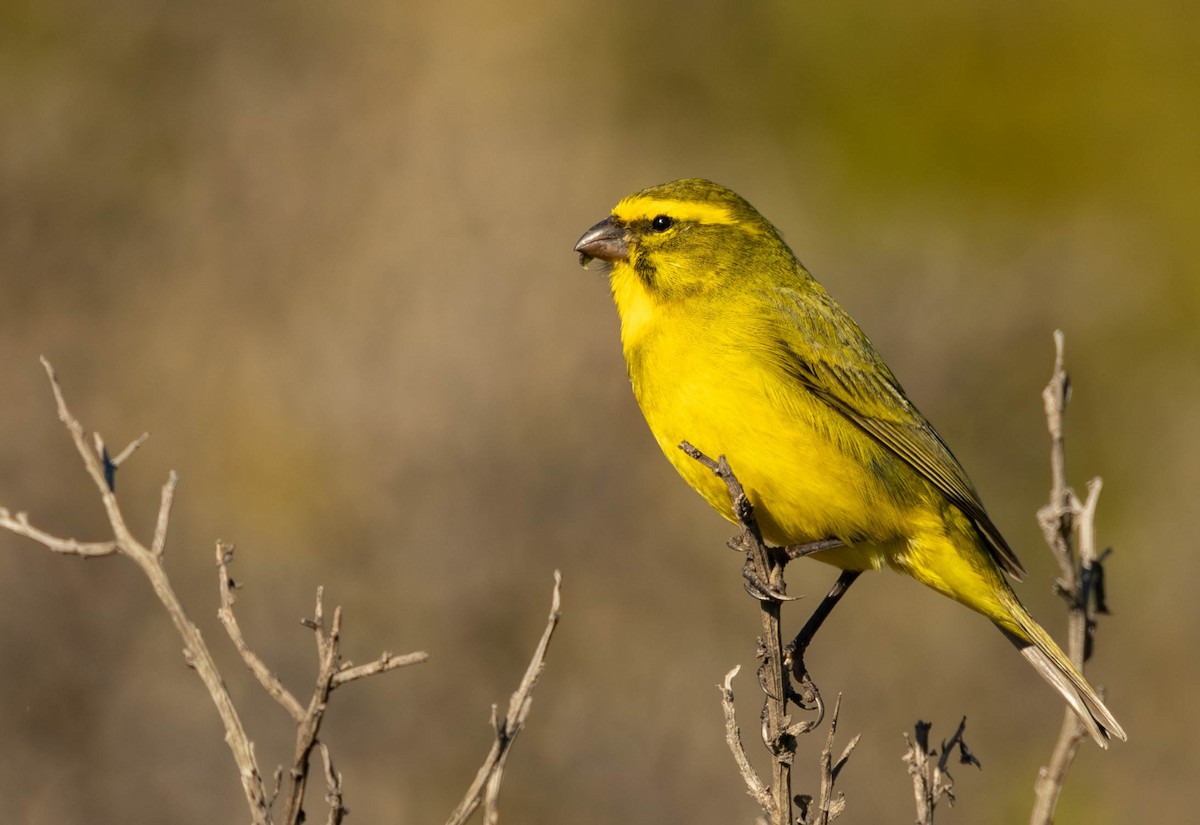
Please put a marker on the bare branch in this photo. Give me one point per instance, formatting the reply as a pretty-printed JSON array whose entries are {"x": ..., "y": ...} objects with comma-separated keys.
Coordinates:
[
  {"x": 1056, "y": 518},
  {"x": 331, "y": 674},
  {"x": 19, "y": 524},
  {"x": 333, "y": 788},
  {"x": 386, "y": 661},
  {"x": 1069, "y": 527},
  {"x": 487, "y": 780},
  {"x": 309, "y": 724},
  {"x": 332, "y": 671},
  {"x": 269, "y": 681},
  {"x": 931, "y": 778},
  {"x": 90, "y": 461},
  {"x": 782, "y": 673},
  {"x": 733, "y": 737},
  {"x": 130, "y": 450},
  {"x": 195, "y": 650},
  {"x": 764, "y": 581},
  {"x": 831, "y": 806},
  {"x": 159, "y": 543}
]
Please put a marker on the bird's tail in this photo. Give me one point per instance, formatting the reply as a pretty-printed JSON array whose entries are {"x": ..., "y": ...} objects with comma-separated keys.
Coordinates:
[{"x": 1049, "y": 660}]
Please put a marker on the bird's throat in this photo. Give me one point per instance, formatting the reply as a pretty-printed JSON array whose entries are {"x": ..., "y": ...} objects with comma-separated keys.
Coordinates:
[{"x": 636, "y": 306}]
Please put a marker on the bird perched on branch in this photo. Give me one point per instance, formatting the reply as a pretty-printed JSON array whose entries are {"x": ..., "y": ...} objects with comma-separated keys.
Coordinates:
[{"x": 732, "y": 346}]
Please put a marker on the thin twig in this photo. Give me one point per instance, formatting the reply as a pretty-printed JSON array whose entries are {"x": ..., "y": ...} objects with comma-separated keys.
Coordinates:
[
  {"x": 931, "y": 778},
  {"x": 159, "y": 543},
  {"x": 328, "y": 660},
  {"x": 782, "y": 673},
  {"x": 386, "y": 661},
  {"x": 130, "y": 450},
  {"x": 487, "y": 780},
  {"x": 19, "y": 524},
  {"x": 333, "y": 788},
  {"x": 332, "y": 671},
  {"x": 1091, "y": 577},
  {"x": 765, "y": 582},
  {"x": 1069, "y": 527},
  {"x": 916, "y": 757},
  {"x": 269, "y": 681},
  {"x": 195, "y": 650},
  {"x": 733, "y": 737},
  {"x": 1058, "y": 516},
  {"x": 830, "y": 805},
  {"x": 110, "y": 465}
]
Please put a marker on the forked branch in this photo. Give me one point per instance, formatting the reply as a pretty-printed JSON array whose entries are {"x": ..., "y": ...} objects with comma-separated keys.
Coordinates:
[
  {"x": 782, "y": 674},
  {"x": 931, "y": 776},
  {"x": 1069, "y": 527},
  {"x": 486, "y": 787},
  {"x": 332, "y": 671}
]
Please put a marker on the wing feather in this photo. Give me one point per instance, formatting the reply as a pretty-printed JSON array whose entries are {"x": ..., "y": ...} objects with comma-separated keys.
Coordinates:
[{"x": 839, "y": 366}]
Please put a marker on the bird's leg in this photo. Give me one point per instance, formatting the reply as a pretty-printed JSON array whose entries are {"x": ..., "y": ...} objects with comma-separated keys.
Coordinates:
[
  {"x": 808, "y": 697},
  {"x": 802, "y": 640},
  {"x": 806, "y": 634}
]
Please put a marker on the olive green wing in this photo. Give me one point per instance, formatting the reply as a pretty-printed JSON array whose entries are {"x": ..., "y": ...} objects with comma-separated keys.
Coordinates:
[{"x": 826, "y": 351}]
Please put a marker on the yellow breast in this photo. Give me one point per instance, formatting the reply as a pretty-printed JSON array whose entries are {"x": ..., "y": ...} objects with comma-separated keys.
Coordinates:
[{"x": 806, "y": 469}]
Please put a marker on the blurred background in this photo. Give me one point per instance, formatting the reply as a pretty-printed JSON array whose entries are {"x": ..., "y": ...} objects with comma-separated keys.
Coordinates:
[{"x": 322, "y": 251}]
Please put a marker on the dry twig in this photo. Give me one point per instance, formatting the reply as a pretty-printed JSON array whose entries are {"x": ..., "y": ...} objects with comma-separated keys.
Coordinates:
[
  {"x": 1069, "y": 527},
  {"x": 20, "y": 525},
  {"x": 486, "y": 787},
  {"x": 102, "y": 470},
  {"x": 333, "y": 788},
  {"x": 781, "y": 668},
  {"x": 764, "y": 581},
  {"x": 733, "y": 737},
  {"x": 830, "y": 805},
  {"x": 931, "y": 778},
  {"x": 332, "y": 671}
]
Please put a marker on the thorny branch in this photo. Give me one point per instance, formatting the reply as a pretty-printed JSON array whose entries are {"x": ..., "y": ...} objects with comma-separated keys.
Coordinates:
[
  {"x": 332, "y": 671},
  {"x": 1069, "y": 526}
]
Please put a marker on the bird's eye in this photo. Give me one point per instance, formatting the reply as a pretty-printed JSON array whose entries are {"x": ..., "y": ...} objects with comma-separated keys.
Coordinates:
[{"x": 661, "y": 223}]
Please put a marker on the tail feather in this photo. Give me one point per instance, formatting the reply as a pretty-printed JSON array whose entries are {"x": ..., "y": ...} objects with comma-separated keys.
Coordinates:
[{"x": 1053, "y": 665}]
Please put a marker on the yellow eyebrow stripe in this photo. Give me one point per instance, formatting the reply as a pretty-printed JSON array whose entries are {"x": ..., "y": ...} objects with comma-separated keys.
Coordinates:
[{"x": 635, "y": 207}]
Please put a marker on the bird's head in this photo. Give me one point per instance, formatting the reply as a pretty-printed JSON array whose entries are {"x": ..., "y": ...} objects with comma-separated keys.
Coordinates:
[{"x": 683, "y": 238}]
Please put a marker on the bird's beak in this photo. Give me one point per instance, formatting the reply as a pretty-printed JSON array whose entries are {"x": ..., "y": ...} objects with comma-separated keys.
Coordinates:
[{"x": 605, "y": 240}]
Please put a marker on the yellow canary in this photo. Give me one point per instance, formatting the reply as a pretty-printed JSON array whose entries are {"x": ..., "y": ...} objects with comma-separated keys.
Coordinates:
[{"x": 733, "y": 346}]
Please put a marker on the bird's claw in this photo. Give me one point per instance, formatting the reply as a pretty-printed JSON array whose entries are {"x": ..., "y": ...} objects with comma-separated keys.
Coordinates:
[{"x": 761, "y": 590}]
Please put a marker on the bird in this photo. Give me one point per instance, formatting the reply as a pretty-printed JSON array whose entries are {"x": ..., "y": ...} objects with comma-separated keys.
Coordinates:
[{"x": 732, "y": 346}]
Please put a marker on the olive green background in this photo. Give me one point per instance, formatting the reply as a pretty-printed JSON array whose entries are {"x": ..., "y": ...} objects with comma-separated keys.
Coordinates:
[{"x": 322, "y": 251}]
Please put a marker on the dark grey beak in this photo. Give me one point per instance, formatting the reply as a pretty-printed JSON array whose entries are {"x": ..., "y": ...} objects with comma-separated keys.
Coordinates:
[{"x": 605, "y": 240}]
